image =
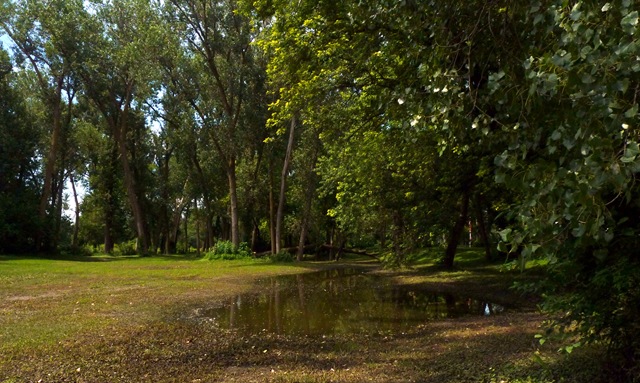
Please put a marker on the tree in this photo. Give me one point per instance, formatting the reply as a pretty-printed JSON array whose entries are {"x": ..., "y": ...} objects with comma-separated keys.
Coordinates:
[
  {"x": 218, "y": 39},
  {"x": 20, "y": 186},
  {"x": 411, "y": 66},
  {"x": 45, "y": 45},
  {"x": 573, "y": 159},
  {"x": 120, "y": 40}
]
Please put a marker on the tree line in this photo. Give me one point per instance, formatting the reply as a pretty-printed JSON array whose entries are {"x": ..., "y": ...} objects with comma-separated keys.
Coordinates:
[{"x": 388, "y": 124}]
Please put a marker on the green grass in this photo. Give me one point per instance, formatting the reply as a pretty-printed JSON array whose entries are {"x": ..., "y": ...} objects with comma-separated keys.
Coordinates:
[
  {"x": 85, "y": 319},
  {"x": 45, "y": 301}
]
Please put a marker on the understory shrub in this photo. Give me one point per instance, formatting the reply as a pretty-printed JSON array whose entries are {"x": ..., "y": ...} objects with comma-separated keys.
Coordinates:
[
  {"x": 282, "y": 256},
  {"x": 225, "y": 250},
  {"x": 125, "y": 248}
]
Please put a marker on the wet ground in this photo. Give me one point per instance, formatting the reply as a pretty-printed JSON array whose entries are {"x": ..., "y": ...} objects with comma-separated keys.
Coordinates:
[
  {"x": 340, "y": 301},
  {"x": 156, "y": 321}
]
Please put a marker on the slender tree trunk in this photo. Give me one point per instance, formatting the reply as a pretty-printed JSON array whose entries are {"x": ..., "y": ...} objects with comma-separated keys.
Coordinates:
[
  {"x": 272, "y": 212},
  {"x": 255, "y": 235},
  {"x": 208, "y": 241},
  {"x": 197, "y": 213},
  {"x": 456, "y": 231},
  {"x": 283, "y": 183},
  {"x": 109, "y": 210},
  {"x": 303, "y": 235},
  {"x": 59, "y": 189},
  {"x": 482, "y": 227},
  {"x": 233, "y": 202},
  {"x": 76, "y": 223},
  {"x": 306, "y": 211},
  {"x": 49, "y": 169},
  {"x": 186, "y": 233},
  {"x": 120, "y": 134}
]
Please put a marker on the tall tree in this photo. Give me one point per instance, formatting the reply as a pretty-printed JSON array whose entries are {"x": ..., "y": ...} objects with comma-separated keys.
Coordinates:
[
  {"x": 219, "y": 40},
  {"x": 20, "y": 185},
  {"x": 121, "y": 41},
  {"x": 43, "y": 34}
]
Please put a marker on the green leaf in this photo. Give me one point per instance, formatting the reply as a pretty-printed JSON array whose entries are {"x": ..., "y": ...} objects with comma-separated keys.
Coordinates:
[
  {"x": 578, "y": 231},
  {"x": 587, "y": 79},
  {"x": 505, "y": 234},
  {"x": 631, "y": 152},
  {"x": 630, "y": 20},
  {"x": 575, "y": 12},
  {"x": 632, "y": 112}
]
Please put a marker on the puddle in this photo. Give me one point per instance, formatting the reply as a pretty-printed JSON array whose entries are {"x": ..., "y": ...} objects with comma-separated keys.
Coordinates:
[{"x": 340, "y": 301}]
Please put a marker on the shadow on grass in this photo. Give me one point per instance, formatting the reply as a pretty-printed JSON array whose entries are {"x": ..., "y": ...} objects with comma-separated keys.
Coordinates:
[{"x": 468, "y": 350}]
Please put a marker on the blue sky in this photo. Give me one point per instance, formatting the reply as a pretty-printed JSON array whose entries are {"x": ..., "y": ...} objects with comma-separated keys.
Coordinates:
[{"x": 5, "y": 41}]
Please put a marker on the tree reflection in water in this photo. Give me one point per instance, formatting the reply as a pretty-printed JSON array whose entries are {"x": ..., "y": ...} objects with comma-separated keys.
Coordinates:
[{"x": 338, "y": 301}]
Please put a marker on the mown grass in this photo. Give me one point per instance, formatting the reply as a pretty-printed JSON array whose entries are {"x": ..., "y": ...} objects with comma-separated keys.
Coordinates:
[
  {"x": 47, "y": 300},
  {"x": 103, "y": 319}
]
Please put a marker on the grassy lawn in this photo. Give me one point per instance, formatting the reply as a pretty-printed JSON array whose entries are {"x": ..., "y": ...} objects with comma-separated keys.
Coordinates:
[{"x": 104, "y": 319}]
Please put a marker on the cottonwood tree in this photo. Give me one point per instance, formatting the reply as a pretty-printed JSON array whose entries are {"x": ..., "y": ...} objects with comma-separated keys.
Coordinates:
[
  {"x": 20, "y": 187},
  {"x": 43, "y": 34},
  {"x": 120, "y": 42},
  {"x": 217, "y": 43}
]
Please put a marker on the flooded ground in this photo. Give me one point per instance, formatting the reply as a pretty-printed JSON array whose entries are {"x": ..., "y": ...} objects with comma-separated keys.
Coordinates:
[{"x": 340, "y": 301}]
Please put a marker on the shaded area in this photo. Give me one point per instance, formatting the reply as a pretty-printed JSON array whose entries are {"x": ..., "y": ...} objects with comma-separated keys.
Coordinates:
[{"x": 340, "y": 301}]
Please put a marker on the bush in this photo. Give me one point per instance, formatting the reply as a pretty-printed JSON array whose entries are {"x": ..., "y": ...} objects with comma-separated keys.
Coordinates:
[
  {"x": 125, "y": 248},
  {"x": 282, "y": 256},
  {"x": 224, "y": 250}
]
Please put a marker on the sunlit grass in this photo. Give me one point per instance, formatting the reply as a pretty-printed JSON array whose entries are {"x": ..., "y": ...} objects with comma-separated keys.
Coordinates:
[{"x": 45, "y": 301}]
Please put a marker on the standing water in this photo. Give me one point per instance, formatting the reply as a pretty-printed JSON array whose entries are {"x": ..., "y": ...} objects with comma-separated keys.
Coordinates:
[{"x": 337, "y": 301}]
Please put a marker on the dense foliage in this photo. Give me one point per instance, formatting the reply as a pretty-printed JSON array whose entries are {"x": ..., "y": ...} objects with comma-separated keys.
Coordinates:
[{"x": 393, "y": 125}]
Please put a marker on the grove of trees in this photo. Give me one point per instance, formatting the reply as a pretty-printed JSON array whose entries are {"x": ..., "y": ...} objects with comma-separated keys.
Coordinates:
[{"x": 384, "y": 124}]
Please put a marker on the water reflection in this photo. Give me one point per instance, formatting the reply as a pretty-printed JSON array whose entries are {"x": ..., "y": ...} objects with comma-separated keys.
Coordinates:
[{"x": 337, "y": 301}]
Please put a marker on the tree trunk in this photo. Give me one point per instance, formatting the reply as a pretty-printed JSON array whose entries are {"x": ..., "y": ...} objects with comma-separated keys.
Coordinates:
[
  {"x": 306, "y": 212},
  {"x": 186, "y": 233},
  {"x": 482, "y": 228},
  {"x": 49, "y": 169},
  {"x": 283, "y": 184},
  {"x": 76, "y": 222},
  {"x": 255, "y": 235},
  {"x": 120, "y": 135},
  {"x": 197, "y": 218},
  {"x": 272, "y": 212},
  {"x": 303, "y": 236},
  {"x": 456, "y": 232},
  {"x": 208, "y": 240},
  {"x": 109, "y": 207},
  {"x": 233, "y": 202},
  {"x": 57, "y": 203}
]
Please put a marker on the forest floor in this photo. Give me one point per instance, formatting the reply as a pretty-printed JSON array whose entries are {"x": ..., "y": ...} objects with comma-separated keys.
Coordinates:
[{"x": 103, "y": 319}]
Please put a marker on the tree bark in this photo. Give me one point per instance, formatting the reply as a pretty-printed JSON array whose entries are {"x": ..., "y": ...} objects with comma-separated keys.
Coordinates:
[
  {"x": 119, "y": 122},
  {"x": 233, "y": 202},
  {"x": 456, "y": 231},
  {"x": 76, "y": 222},
  {"x": 197, "y": 218},
  {"x": 57, "y": 204},
  {"x": 482, "y": 227},
  {"x": 283, "y": 184},
  {"x": 272, "y": 212},
  {"x": 109, "y": 208},
  {"x": 306, "y": 211},
  {"x": 49, "y": 169},
  {"x": 120, "y": 133}
]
